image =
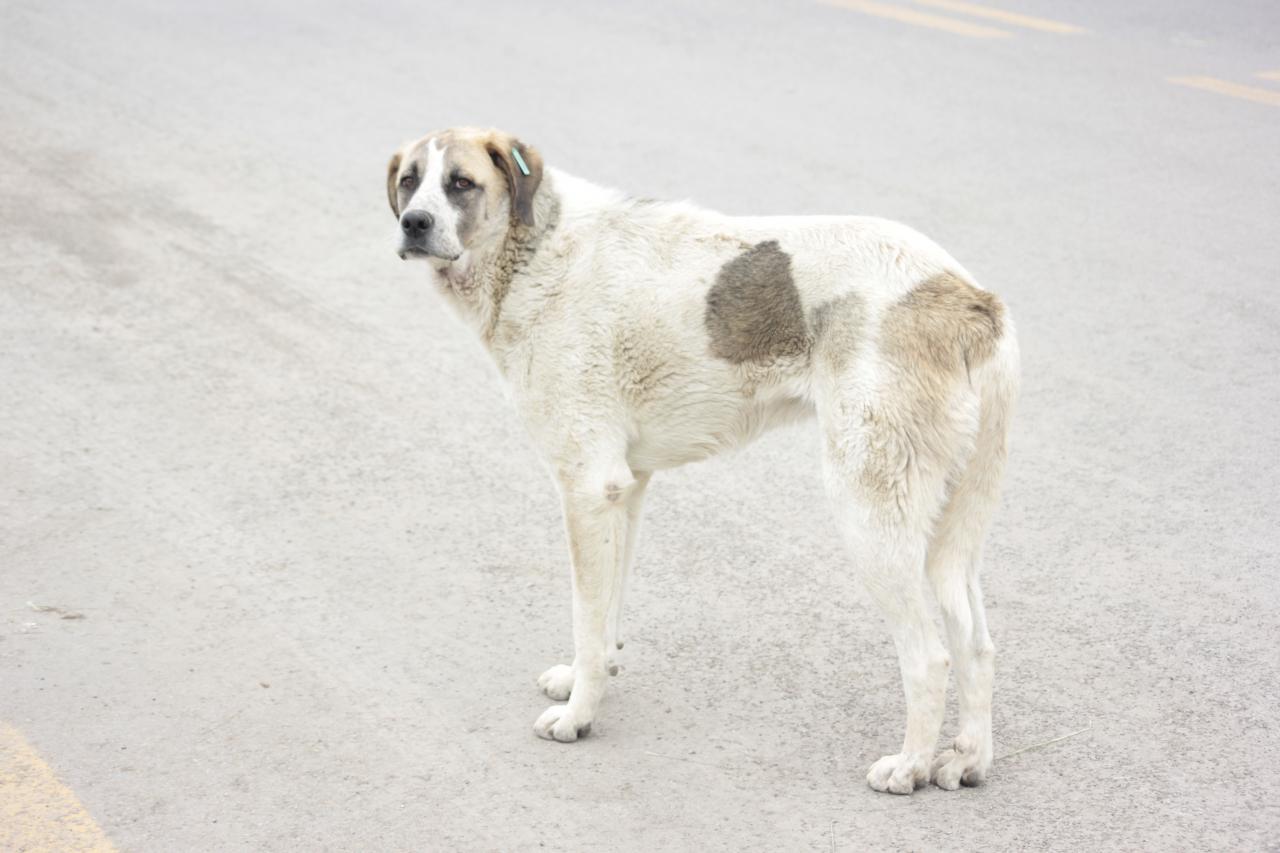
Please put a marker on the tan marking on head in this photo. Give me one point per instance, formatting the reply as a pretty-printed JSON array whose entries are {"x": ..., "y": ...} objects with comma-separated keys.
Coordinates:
[
  {"x": 412, "y": 157},
  {"x": 485, "y": 154},
  {"x": 467, "y": 160},
  {"x": 393, "y": 182},
  {"x": 520, "y": 187}
]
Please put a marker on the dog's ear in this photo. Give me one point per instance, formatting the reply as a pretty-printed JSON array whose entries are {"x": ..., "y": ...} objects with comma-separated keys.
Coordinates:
[
  {"x": 393, "y": 186},
  {"x": 508, "y": 154}
]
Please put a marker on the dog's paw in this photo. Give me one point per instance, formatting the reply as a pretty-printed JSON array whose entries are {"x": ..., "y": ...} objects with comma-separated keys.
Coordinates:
[
  {"x": 899, "y": 774},
  {"x": 966, "y": 763},
  {"x": 557, "y": 682},
  {"x": 557, "y": 723}
]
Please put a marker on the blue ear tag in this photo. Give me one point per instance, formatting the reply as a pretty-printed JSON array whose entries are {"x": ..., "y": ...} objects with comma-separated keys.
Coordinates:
[{"x": 515, "y": 152}]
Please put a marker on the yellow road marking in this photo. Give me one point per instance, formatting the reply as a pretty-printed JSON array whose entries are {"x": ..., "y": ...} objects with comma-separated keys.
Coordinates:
[
  {"x": 1018, "y": 20},
  {"x": 919, "y": 19},
  {"x": 1268, "y": 75},
  {"x": 1226, "y": 87},
  {"x": 37, "y": 812}
]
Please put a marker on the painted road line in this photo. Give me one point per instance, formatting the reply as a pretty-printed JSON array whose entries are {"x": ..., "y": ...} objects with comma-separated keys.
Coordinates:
[
  {"x": 1014, "y": 18},
  {"x": 37, "y": 812},
  {"x": 1234, "y": 90},
  {"x": 919, "y": 19},
  {"x": 1269, "y": 75}
]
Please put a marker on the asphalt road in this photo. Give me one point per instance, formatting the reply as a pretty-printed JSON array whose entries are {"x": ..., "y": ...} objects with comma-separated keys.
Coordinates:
[{"x": 313, "y": 568}]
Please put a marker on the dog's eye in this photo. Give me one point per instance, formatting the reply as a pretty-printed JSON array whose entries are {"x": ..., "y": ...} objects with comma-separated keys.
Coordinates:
[
  {"x": 463, "y": 183},
  {"x": 407, "y": 182}
]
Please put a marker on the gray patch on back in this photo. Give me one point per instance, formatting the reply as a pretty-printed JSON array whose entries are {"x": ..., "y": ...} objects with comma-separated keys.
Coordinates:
[{"x": 753, "y": 309}]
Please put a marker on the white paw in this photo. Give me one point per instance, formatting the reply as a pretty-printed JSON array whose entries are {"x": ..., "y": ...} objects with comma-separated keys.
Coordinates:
[
  {"x": 557, "y": 723},
  {"x": 966, "y": 763},
  {"x": 557, "y": 682},
  {"x": 899, "y": 774}
]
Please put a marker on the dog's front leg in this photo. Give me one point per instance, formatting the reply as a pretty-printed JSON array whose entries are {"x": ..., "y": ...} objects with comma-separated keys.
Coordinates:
[{"x": 596, "y": 521}]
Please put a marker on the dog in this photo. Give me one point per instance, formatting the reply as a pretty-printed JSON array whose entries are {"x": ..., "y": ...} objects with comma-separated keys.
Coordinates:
[{"x": 635, "y": 336}]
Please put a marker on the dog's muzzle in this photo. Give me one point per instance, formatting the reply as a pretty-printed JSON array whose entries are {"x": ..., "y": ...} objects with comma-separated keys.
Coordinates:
[{"x": 415, "y": 227}]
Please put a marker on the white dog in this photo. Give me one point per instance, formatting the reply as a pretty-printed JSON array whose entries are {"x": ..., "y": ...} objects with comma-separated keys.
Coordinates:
[{"x": 637, "y": 335}]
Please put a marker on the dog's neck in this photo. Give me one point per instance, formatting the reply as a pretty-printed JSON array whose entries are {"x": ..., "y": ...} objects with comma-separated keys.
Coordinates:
[{"x": 478, "y": 283}]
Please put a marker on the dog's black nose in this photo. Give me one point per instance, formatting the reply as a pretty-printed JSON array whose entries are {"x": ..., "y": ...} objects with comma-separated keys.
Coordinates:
[{"x": 416, "y": 223}]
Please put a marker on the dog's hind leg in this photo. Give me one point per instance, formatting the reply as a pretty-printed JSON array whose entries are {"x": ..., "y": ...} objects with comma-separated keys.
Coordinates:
[
  {"x": 953, "y": 571},
  {"x": 953, "y": 565},
  {"x": 915, "y": 411},
  {"x": 885, "y": 493}
]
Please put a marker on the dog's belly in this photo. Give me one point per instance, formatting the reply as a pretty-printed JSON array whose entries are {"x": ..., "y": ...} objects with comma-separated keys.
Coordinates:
[{"x": 693, "y": 427}]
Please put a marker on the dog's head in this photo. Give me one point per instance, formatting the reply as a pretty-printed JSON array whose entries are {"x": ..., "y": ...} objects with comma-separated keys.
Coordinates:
[{"x": 459, "y": 189}]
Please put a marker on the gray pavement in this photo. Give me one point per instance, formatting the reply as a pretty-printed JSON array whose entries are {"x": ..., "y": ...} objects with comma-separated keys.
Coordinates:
[{"x": 319, "y": 567}]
